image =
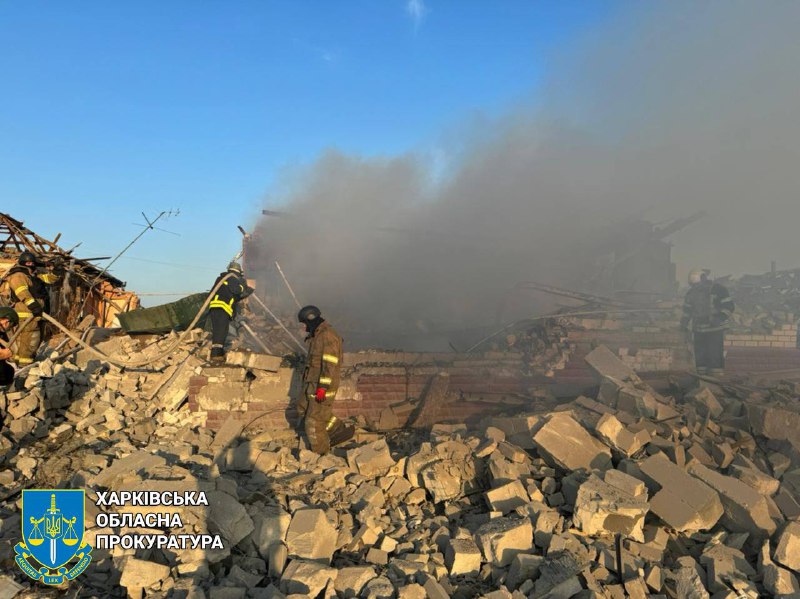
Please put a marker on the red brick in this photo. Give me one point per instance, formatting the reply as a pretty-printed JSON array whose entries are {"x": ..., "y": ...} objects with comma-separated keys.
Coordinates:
[{"x": 197, "y": 382}]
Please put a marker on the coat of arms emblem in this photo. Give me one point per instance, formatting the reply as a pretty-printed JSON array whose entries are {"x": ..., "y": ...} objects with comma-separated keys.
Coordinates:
[{"x": 52, "y": 535}]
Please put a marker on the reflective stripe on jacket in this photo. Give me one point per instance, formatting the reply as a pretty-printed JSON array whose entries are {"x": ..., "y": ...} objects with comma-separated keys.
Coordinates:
[
  {"x": 23, "y": 289},
  {"x": 233, "y": 289},
  {"x": 324, "y": 361}
]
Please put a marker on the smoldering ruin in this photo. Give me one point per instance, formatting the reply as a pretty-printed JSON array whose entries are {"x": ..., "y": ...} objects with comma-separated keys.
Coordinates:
[
  {"x": 530, "y": 419},
  {"x": 665, "y": 114}
]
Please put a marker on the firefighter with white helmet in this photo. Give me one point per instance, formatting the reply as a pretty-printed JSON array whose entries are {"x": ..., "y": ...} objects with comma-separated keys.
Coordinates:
[{"x": 707, "y": 310}]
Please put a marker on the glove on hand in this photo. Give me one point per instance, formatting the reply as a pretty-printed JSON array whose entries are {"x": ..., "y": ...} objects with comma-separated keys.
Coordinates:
[{"x": 36, "y": 308}]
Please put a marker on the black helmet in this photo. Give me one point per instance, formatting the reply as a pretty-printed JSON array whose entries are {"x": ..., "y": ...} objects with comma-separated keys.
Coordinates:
[
  {"x": 27, "y": 256},
  {"x": 11, "y": 314},
  {"x": 235, "y": 267},
  {"x": 309, "y": 315}
]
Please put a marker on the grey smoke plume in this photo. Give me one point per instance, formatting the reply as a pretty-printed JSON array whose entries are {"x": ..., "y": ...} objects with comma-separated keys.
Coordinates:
[{"x": 668, "y": 109}]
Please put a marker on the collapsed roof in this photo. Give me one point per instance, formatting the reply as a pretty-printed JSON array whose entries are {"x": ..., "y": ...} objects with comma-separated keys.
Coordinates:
[{"x": 85, "y": 288}]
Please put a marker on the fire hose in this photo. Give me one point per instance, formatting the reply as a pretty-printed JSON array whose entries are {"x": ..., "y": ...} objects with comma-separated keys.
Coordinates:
[
  {"x": 130, "y": 363},
  {"x": 145, "y": 362}
]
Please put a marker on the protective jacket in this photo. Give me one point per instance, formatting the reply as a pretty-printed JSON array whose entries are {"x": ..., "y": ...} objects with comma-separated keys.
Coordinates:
[
  {"x": 324, "y": 362},
  {"x": 708, "y": 306},
  {"x": 233, "y": 289},
  {"x": 27, "y": 292},
  {"x": 25, "y": 289}
]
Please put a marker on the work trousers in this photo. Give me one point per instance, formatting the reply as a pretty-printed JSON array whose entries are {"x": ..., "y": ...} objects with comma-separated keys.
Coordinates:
[
  {"x": 6, "y": 379},
  {"x": 709, "y": 352},
  {"x": 220, "y": 322},
  {"x": 318, "y": 419},
  {"x": 27, "y": 343},
  {"x": 6, "y": 373}
]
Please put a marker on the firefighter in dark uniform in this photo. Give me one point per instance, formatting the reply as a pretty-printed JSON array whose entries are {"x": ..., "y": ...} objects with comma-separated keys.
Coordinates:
[
  {"x": 8, "y": 320},
  {"x": 321, "y": 379},
  {"x": 28, "y": 293},
  {"x": 223, "y": 305},
  {"x": 708, "y": 307}
]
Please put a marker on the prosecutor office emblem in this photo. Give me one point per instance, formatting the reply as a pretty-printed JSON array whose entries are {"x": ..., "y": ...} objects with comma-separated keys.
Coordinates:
[{"x": 53, "y": 548}]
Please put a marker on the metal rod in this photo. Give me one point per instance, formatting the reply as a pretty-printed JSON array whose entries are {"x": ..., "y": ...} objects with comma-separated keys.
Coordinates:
[
  {"x": 280, "y": 324},
  {"x": 618, "y": 548},
  {"x": 289, "y": 287},
  {"x": 263, "y": 345},
  {"x": 576, "y": 295}
]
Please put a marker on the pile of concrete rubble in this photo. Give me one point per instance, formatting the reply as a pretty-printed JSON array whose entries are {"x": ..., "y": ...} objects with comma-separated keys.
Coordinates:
[
  {"x": 630, "y": 494},
  {"x": 544, "y": 345},
  {"x": 765, "y": 302}
]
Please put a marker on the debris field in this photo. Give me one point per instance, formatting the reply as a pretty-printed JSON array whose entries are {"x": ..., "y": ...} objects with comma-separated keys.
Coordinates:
[{"x": 628, "y": 493}]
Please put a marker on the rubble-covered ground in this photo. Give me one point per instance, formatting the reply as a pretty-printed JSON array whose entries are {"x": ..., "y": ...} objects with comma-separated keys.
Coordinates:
[
  {"x": 765, "y": 302},
  {"x": 630, "y": 493}
]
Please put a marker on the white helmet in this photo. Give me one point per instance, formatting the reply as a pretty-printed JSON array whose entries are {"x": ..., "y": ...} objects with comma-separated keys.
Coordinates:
[{"x": 696, "y": 275}]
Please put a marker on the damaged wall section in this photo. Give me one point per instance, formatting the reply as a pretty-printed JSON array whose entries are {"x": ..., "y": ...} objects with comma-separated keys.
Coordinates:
[{"x": 388, "y": 389}]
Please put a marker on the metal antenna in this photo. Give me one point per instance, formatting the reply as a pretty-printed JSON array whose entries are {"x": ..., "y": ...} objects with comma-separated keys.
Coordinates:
[
  {"x": 149, "y": 227},
  {"x": 163, "y": 213}
]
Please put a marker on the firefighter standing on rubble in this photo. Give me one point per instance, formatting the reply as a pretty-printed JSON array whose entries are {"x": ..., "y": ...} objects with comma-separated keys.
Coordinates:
[
  {"x": 28, "y": 293},
  {"x": 223, "y": 307},
  {"x": 708, "y": 307},
  {"x": 321, "y": 379}
]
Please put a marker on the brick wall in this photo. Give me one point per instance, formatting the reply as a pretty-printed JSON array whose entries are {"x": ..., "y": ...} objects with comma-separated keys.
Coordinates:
[
  {"x": 782, "y": 338},
  {"x": 479, "y": 385},
  {"x": 742, "y": 360},
  {"x": 478, "y": 390},
  {"x": 373, "y": 381},
  {"x": 646, "y": 349}
]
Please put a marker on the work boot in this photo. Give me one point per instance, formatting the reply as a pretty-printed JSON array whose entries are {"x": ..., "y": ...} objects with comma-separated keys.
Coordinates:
[
  {"x": 341, "y": 432},
  {"x": 217, "y": 356}
]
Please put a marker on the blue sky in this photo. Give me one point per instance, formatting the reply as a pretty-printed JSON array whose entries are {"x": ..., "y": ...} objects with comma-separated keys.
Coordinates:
[{"x": 109, "y": 109}]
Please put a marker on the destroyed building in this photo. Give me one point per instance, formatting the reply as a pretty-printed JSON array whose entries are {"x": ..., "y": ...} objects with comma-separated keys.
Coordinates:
[
  {"x": 578, "y": 462},
  {"x": 84, "y": 289},
  {"x": 645, "y": 489},
  {"x": 573, "y": 455},
  {"x": 634, "y": 257}
]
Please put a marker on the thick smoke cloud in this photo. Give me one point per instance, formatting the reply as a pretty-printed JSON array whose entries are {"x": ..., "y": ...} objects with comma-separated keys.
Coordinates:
[{"x": 667, "y": 109}]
